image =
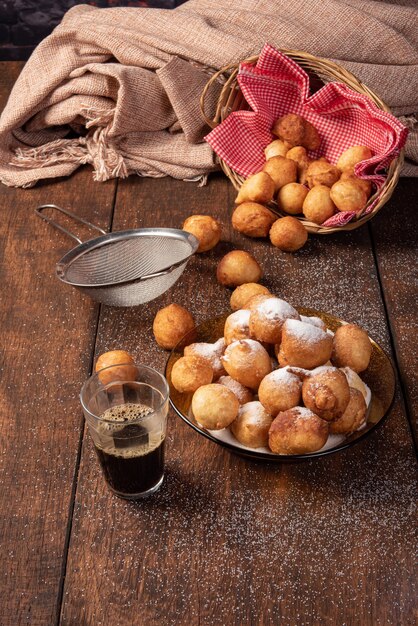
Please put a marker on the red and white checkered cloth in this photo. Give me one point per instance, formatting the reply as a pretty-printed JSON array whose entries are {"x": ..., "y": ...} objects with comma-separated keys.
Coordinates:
[{"x": 277, "y": 85}]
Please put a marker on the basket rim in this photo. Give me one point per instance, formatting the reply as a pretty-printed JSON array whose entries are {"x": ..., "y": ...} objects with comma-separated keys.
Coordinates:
[{"x": 231, "y": 94}]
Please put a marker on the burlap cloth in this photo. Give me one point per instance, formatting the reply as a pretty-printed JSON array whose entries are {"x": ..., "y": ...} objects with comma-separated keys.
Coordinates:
[{"x": 119, "y": 88}]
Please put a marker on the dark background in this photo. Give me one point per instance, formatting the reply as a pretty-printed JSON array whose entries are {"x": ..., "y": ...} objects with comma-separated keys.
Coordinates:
[{"x": 24, "y": 23}]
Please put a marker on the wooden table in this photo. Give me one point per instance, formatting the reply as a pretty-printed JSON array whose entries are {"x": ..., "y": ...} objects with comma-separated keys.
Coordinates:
[{"x": 225, "y": 541}]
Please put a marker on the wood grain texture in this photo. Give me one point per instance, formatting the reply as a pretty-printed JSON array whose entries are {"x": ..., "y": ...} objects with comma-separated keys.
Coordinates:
[
  {"x": 395, "y": 236},
  {"x": 228, "y": 541},
  {"x": 47, "y": 338}
]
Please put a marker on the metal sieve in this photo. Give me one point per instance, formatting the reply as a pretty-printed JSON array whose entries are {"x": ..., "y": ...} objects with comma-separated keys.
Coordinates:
[{"x": 124, "y": 268}]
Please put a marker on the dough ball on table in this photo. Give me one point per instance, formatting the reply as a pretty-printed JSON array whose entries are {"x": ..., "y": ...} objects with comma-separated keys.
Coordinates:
[
  {"x": 281, "y": 170},
  {"x": 315, "y": 321},
  {"x": 326, "y": 393},
  {"x": 288, "y": 234},
  {"x": 318, "y": 206},
  {"x": 304, "y": 345},
  {"x": 243, "y": 293},
  {"x": 205, "y": 228},
  {"x": 238, "y": 267},
  {"x": 256, "y": 188},
  {"x": 279, "y": 391},
  {"x": 297, "y": 131},
  {"x": 322, "y": 173},
  {"x": 297, "y": 431},
  {"x": 237, "y": 326},
  {"x": 365, "y": 184},
  {"x": 291, "y": 197},
  {"x": 191, "y": 372},
  {"x": 212, "y": 352},
  {"x": 252, "y": 219},
  {"x": 215, "y": 406},
  {"x": 251, "y": 428},
  {"x": 347, "y": 195},
  {"x": 171, "y": 324},
  {"x": 125, "y": 372},
  {"x": 276, "y": 148},
  {"x": 351, "y": 348},
  {"x": 350, "y": 157},
  {"x": 353, "y": 417},
  {"x": 267, "y": 319},
  {"x": 300, "y": 156},
  {"x": 243, "y": 394},
  {"x": 247, "y": 362}
]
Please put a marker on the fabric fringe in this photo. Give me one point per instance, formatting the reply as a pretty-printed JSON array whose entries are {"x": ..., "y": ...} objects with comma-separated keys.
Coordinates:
[{"x": 96, "y": 148}]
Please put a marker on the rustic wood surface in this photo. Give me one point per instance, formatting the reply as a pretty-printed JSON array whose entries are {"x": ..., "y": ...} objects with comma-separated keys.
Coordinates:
[{"x": 225, "y": 541}]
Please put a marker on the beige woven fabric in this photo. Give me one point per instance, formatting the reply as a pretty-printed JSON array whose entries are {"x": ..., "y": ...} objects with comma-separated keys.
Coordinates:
[{"x": 119, "y": 88}]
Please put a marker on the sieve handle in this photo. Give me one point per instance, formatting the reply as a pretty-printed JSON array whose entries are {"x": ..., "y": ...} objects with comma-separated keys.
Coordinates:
[{"x": 76, "y": 218}]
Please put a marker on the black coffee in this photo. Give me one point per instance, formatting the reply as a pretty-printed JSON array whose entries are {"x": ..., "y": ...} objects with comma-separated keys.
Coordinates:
[{"x": 132, "y": 458}]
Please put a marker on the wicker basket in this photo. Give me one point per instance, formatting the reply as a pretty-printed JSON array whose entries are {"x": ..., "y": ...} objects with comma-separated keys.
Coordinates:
[{"x": 231, "y": 99}]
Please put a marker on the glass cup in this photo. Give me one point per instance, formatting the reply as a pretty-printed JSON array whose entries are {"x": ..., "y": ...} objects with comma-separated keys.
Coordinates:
[{"x": 126, "y": 408}]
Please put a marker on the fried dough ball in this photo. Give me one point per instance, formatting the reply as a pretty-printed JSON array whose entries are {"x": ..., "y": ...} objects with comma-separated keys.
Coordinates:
[
  {"x": 252, "y": 219},
  {"x": 191, "y": 372},
  {"x": 291, "y": 197},
  {"x": 347, "y": 195},
  {"x": 267, "y": 318},
  {"x": 215, "y": 406},
  {"x": 255, "y": 300},
  {"x": 237, "y": 326},
  {"x": 300, "y": 156},
  {"x": 297, "y": 431},
  {"x": 256, "y": 188},
  {"x": 276, "y": 148},
  {"x": 297, "y": 131},
  {"x": 288, "y": 234},
  {"x": 243, "y": 293},
  {"x": 247, "y": 362},
  {"x": 127, "y": 370},
  {"x": 171, "y": 324},
  {"x": 238, "y": 267},
  {"x": 353, "y": 417},
  {"x": 365, "y": 184},
  {"x": 205, "y": 228},
  {"x": 326, "y": 393},
  {"x": 212, "y": 352},
  {"x": 243, "y": 394},
  {"x": 322, "y": 173},
  {"x": 351, "y": 348},
  {"x": 281, "y": 170},
  {"x": 279, "y": 391},
  {"x": 315, "y": 321},
  {"x": 304, "y": 345},
  {"x": 355, "y": 382},
  {"x": 318, "y": 206},
  {"x": 350, "y": 157},
  {"x": 251, "y": 428}
]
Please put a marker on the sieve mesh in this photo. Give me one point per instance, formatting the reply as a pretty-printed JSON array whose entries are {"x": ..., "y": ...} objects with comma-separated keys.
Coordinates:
[
  {"x": 123, "y": 268},
  {"x": 126, "y": 260}
]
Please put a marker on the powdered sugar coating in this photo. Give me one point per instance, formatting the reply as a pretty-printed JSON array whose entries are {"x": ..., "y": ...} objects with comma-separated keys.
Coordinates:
[
  {"x": 243, "y": 394},
  {"x": 283, "y": 376},
  {"x": 275, "y": 309},
  {"x": 241, "y": 318},
  {"x": 237, "y": 326},
  {"x": 315, "y": 321},
  {"x": 304, "y": 332},
  {"x": 254, "y": 347},
  {"x": 254, "y": 411},
  {"x": 210, "y": 351},
  {"x": 302, "y": 412}
]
